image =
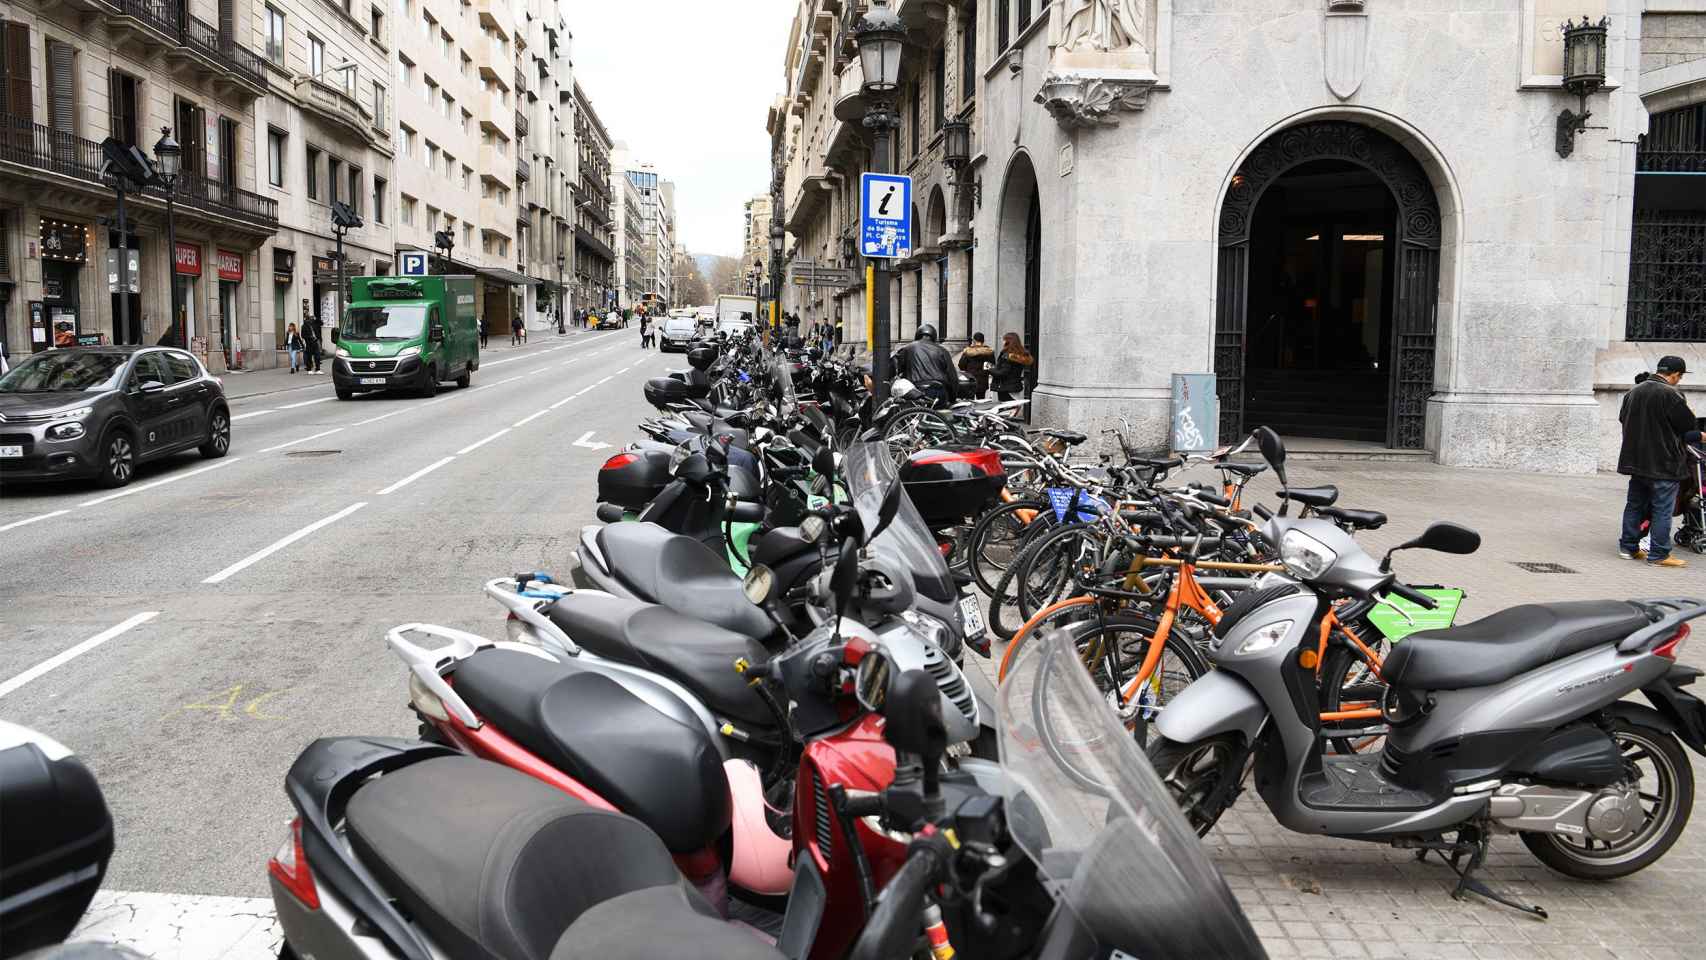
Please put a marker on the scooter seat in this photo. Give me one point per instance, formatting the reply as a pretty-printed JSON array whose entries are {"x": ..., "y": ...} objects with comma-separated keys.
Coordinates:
[
  {"x": 664, "y": 773},
  {"x": 1317, "y": 497},
  {"x": 1360, "y": 519},
  {"x": 681, "y": 573},
  {"x": 1513, "y": 641},
  {"x": 698, "y": 655},
  {"x": 492, "y": 863},
  {"x": 657, "y": 922}
]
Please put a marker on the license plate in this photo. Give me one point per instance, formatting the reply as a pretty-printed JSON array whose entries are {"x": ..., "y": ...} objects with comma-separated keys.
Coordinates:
[
  {"x": 373, "y": 381},
  {"x": 13, "y": 451},
  {"x": 973, "y": 617}
]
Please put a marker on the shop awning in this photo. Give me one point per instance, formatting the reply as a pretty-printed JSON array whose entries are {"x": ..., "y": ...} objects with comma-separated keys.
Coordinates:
[{"x": 507, "y": 276}]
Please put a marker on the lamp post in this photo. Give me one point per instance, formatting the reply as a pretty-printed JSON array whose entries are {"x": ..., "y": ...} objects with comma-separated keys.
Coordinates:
[
  {"x": 1584, "y": 73},
  {"x": 444, "y": 240},
  {"x": 881, "y": 40},
  {"x": 167, "y": 155},
  {"x": 344, "y": 220},
  {"x": 562, "y": 303}
]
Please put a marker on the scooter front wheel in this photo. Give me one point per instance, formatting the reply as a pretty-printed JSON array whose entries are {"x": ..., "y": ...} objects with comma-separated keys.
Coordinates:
[
  {"x": 1665, "y": 782},
  {"x": 1202, "y": 776}
]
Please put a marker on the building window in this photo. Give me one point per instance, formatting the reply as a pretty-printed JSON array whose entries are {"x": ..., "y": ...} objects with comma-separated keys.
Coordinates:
[
  {"x": 432, "y": 218},
  {"x": 275, "y": 36},
  {"x": 275, "y": 158},
  {"x": 379, "y": 186},
  {"x": 429, "y": 26},
  {"x": 316, "y": 56},
  {"x": 968, "y": 52},
  {"x": 1003, "y": 22},
  {"x": 445, "y": 46},
  {"x": 431, "y": 155},
  {"x": 431, "y": 93},
  {"x": 467, "y": 66},
  {"x": 334, "y": 174},
  {"x": 1024, "y": 14},
  {"x": 378, "y": 104},
  {"x": 940, "y": 67},
  {"x": 448, "y": 103},
  {"x": 449, "y": 164},
  {"x": 376, "y": 23},
  {"x": 406, "y": 142},
  {"x": 311, "y": 168},
  {"x": 408, "y": 210},
  {"x": 355, "y": 188},
  {"x": 467, "y": 177},
  {"x": 917, "y": 117},
  {"x": 1667, "y": 254},
  {"x": 467, "y": 122},
  {"x": 467, "y": 234}
]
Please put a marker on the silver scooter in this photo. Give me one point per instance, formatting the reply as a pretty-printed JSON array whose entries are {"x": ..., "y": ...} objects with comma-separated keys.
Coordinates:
[{"x": 1512, "y": 724}]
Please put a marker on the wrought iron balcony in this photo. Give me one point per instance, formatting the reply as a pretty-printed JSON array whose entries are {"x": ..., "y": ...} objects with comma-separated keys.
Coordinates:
[
  {"x": 523, "y": 170},
  {"x": 204, "y": 37},
  {"x": 37, "y": 146},
  {"x": 162, "y": 16},
  {"x": 520, "y": 81},
  {"x": 521, "y": 125}
]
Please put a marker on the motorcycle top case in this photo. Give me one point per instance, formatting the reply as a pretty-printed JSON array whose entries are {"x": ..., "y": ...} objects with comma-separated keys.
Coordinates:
[
  {"x": 633, "y": 478},
  {"x": 950, "y": 485},
  {"x": 56, "y": 837},
  {"x": 663, "y": 391}
]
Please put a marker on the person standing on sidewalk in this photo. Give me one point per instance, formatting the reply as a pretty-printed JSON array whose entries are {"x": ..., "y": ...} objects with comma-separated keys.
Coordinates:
[
  {"x": 975, "y": 360},
  {"x": 293, "y": 346},
  {"x": 1656, "y": 425},
  {"x": 1014, "y": 366},
  {"x": 311, "y": 344}
]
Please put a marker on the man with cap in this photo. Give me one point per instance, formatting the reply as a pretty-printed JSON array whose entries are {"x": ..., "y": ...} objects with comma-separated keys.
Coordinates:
[{"x": 1656, "y": 425}]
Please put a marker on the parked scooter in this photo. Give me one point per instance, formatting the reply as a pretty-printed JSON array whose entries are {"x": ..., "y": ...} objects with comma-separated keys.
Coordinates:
[{"x": 1513, "y": 723}]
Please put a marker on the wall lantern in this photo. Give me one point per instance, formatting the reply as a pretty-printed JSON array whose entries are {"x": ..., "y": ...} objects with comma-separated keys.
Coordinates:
[
  {"x": 956, "y": 153},
  {"x": 881, "y": 39},
  {"x": 1584, "y": 74}
]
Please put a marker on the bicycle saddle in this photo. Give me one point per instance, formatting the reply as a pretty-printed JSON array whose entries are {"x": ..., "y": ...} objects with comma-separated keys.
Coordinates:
[
  {"x": 1244, "y": 469},
  {"x": 1317, "y": 497},
  {"x": 1071, "y": 438},
  {"x": 1360, "y": 519}
]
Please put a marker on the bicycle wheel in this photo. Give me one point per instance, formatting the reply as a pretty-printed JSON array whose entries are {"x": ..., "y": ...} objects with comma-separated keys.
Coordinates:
[
  {"x": 1004, "y": 599},
  {"x": 1050, "y": 572},
  {"x": 995, "y": 538},
  {"x": 1347, "y": 679},
  {"x": 912, "y": 430},
  {"x": 1114, "y": 650}
]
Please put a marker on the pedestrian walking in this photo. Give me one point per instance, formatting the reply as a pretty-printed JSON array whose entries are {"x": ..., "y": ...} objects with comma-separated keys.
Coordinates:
[
  {"x": 294, "y": 345},
  {"x": 311, "y": 344},
  {"x": 975, "y": 361},
  {"x": 1657, "y": 424},
  {"x": 483, "y": 333},
  {"x": 645, "y": 332},
  {"x": 1014, "y": 368},
  {"x": 517, "y": 333}
]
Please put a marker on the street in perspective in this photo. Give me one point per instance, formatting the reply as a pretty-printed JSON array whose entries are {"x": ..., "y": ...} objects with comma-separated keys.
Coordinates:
[{"x": 816, "y": 479}]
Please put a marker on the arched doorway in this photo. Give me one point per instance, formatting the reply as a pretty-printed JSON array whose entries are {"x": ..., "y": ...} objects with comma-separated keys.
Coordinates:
[
  {"x": 1020, "y": 251},
  {"x": 936, "y": 227},
  {"x": 1328, "y": 288}
]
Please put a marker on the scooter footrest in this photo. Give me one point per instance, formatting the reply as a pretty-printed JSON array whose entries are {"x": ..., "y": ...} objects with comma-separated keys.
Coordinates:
[{"x": 1355, "y": 783}]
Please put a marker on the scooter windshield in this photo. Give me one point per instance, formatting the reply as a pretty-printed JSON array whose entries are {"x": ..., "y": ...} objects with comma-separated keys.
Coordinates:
[
  {"x": 783, "y": 380},
  {"x": 870, "y": 474},
  {"x": 1086, "y": 806}
]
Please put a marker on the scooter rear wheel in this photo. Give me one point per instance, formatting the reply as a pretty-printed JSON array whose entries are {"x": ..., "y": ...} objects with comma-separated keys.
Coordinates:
[{"x": 1202, "y": 776}]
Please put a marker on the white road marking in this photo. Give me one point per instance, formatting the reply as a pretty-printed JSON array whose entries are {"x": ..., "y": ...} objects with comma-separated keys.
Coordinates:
[
  {"x": 411, "y": 478},
  {"x": 266, "y": 552},
  {"x": 292, "y": 443},
  {"x": 477, "y": 444},
  {"x": 563, "y": 401},
  {"x": 160, "y": 483},
  {"x": 502, "y": 382},
  {"x": 15, "y": 524},
  {"x": 531, "y": 417},
  {"x": 604, "y": 381},
  {"x": 363, "y": 423},
  {"x": 61, "y": 659},
  {"x": 306, "y": 403},
  {"x": 252, "y": 413}
]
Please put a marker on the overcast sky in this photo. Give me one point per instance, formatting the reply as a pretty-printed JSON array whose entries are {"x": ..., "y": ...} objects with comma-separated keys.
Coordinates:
[{"x": 687, "y": 84}]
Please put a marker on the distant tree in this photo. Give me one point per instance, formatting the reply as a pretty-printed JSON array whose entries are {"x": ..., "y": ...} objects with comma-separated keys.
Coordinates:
[
  {"x": 690, "y": 287},
  {"x": 728, "y": 277}
]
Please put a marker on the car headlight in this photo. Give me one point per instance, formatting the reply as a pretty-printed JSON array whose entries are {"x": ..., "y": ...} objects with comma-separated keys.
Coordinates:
[
  {"x": 408, "y": 352},
  {"x": 1265, "y": 638},
  {"x": 76, "y": 414},
  {"x": 65, "y": 431},
  {"x": 1304, "y": 556}
]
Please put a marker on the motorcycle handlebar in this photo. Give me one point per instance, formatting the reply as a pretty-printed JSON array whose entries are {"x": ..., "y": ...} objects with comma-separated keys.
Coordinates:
[
  {"x": 1413, "y": 595},
  {"x": 894, "y": 924}
]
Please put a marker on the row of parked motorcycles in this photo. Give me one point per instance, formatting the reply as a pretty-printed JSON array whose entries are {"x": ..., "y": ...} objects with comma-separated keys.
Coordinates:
[{"x": 742, "y": 725}]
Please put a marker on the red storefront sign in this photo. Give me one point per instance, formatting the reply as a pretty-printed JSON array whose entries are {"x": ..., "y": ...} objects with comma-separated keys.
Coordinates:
[
  {"x": 187, "y": 260},
  {"x": 229, "y": 265}
]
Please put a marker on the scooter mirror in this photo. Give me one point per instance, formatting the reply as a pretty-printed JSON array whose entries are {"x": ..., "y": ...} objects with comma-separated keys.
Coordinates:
[
  {"x": 817, "y": 418},
  {"x": 871, "y": 687},
  {"x": 1273, "y": 450},
  {"x": 1446, "y": 537},
  {"x": 758, "y": 583},
  {"x": 846, "y": 571},
  {"x": 913, "y": 709},
  {"x": 823, "y": 462}
]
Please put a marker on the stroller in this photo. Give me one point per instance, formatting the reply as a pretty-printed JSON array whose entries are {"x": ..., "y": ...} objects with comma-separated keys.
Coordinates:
[{"x": 1691, "y": 501}]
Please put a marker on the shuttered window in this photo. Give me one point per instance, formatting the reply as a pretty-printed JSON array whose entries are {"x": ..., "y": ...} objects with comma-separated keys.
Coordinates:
[
  {"x": 968, "y": 51},
  {"x": 61, "y": 87},
  {"x": 192, "y": 137},
  {"x": 15, "y": 100},
  {"x": 121, "y": 100},
  {"x": 228, "y": 151}
]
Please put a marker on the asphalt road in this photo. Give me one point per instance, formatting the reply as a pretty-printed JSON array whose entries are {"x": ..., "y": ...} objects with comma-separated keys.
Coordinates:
[{"x": 254, "y": 591}]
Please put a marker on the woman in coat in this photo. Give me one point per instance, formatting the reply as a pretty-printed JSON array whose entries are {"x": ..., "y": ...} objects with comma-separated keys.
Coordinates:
[
  {"x": 1014, "y": 367},
  {"x": 293, "y": 345}
]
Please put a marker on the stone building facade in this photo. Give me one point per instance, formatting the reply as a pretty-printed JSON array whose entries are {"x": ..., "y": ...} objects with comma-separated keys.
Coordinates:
[
  {"x": 1355, "y": 213},
  {"x": 594, "y": 285},
  {"x": 77, "y": 72}
]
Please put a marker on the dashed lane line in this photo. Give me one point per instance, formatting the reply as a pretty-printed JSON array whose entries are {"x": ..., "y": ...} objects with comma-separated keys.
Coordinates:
[
  {"x": 61, "y": 659},
  {"x": 292, "y": 443},
  {"x": 278, "y": 545},
  {"x": 253, "y": 413},
  {"x": 29, "y": 520},
  {"x": 531, "y": 417},
  {"x": 477, "y": 444},
  {"x": 411, "y": 478},
  {"x": 306, "y": 403},
  {"x": 128, "y": 491}
]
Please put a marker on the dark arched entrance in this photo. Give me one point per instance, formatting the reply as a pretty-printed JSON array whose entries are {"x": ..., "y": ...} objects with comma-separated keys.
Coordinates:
[
  {"x": 1328, "y": 288},
  {"x": 1034, "y": 282},
  {"x": 1019, "y": 254}
]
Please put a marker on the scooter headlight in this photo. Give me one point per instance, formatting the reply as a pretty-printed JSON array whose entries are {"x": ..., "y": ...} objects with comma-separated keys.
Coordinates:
[
  {"x": 676, "y": 456},
  {"x": 1304, "y": 556},
  {"x": 931, "y": 628},
  {"x": 1265, "y": 637}
]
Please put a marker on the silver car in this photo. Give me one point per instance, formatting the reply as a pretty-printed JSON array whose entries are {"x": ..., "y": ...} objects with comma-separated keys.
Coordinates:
[{"x": 101, "y": 411}]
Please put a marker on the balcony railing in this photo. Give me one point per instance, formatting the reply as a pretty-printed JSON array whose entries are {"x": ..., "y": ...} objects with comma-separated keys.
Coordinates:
[
  {"x": 205, "y": 37},
  {"x": 161, "y": 15},
  {"x": 523, "y": 169},
  {"x": 34, "y": 145},
  {"x": 520, "y": 82},
  {"x": 521, "y": 124}
]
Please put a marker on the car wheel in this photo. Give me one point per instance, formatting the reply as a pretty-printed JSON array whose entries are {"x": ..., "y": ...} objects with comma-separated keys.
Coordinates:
[
  {"x": 118, "y": 458},
  {"x": 430, "y": 387},
  {"x": 466, "y": 378},
  {"x": 218, "y": 435},
  {"x": 345, "y": 393}
]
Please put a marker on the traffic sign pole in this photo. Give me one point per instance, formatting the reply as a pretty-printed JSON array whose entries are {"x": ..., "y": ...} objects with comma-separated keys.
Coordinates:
[{"x": 885, "y": 233}]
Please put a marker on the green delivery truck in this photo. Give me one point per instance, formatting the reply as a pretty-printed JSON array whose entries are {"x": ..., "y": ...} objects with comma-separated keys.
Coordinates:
[{"x": 406, "y": 333}]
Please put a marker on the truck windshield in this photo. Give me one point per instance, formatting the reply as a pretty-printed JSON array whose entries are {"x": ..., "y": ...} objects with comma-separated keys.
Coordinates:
[{"x": 399, "y": 322}]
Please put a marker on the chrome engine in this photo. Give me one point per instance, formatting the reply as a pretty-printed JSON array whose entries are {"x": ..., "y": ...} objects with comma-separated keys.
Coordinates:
[{"x": 1607, "y": 814}]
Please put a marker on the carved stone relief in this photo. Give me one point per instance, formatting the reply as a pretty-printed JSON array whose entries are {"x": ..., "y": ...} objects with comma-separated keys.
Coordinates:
[
  {"x": 1345, "y": 55},
  {"x": 1101, "y": 62}
]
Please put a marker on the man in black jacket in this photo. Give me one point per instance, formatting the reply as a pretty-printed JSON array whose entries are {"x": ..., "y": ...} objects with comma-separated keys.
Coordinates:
[
  {"x": 929, "y": 366},
  {"x": 1656, "y": 425}
]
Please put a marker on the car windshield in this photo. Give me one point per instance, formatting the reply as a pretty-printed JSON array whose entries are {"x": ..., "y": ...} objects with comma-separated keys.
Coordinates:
[
  {"x": 1091, "y": 813},
  {"x": 399, "y": 322},
  {"x": 679, "y": 325},
  {"x": 63, "y": 371}
]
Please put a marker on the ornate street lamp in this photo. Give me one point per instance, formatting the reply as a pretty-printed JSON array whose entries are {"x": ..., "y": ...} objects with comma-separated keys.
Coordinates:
[
  {"x": 167, "y": 157},
  {"x": 1584, "y": 73},
  {"x": 562, "y": 302},
  {"x": 956, "y": 153},
  {"x": 881, "y": 40}
]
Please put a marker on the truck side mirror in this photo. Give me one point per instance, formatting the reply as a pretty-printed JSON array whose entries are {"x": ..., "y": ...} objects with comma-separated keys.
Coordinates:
[{"x": 436, "y": 335}]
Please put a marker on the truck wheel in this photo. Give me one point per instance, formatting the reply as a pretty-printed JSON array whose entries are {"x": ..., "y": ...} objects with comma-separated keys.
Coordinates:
[
  {"x": 466, "y": 378},
  {"x": 345, "y": 393},
  {"x": 430, "y": 387}
]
